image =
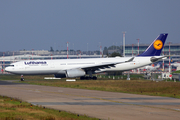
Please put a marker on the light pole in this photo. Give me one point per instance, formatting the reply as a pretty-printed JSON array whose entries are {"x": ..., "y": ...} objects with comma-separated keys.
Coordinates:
[
  {"x": 67, "y": 50},
  {"x": 169, "y": 58},
  {"x": 132, "y": 50},
  {"x": 124, "y": 44},
  {"x": 138, "y": 46},
  {"x": 87, "y": 49}
]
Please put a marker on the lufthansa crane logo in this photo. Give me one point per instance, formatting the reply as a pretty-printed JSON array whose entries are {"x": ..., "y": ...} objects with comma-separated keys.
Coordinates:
[{"x": 158, "y": 44}]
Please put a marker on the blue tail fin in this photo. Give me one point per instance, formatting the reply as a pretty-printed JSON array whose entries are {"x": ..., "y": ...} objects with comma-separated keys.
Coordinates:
[{"x": 156, "y": 46}]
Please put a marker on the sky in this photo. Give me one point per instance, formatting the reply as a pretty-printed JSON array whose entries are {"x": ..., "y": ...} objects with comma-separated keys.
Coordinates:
[{"x": 85, "y": 24}]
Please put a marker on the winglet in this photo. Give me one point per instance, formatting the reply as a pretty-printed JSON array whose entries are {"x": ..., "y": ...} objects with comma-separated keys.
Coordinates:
[{"x": 156, "y": 46}]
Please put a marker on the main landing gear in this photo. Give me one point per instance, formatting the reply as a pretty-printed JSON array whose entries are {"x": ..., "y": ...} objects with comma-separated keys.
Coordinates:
[
  {"x": 88, "y": 78},
  {"x": 22, "y": 79}
]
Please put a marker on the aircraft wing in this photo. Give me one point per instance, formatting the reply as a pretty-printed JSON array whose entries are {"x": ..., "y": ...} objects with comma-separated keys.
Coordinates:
[{"x": 104, "y": 65}]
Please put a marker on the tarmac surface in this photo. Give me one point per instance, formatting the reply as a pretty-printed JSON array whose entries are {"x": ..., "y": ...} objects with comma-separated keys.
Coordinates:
[{"x": 99, "y": 104}]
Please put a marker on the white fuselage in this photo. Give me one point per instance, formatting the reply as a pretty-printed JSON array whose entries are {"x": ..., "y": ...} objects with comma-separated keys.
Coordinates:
[
  {"x": 60, "y": 66},
  {"x": 176, "y": 64}
]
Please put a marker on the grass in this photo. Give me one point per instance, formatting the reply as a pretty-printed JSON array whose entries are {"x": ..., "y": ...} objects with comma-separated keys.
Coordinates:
[
  {"x": 41, "y": 77},
  {"x": 14, "y": 109},
  {"x": 177, "y": 71},
  {"x": 106, "y": 83},
  {"x": 134, "y": 86},
  {"x": 17, "y": 77},
  {"x": 168, "y": 89}
]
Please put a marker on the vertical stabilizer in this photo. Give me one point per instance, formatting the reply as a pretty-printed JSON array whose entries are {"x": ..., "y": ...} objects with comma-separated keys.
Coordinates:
[{"x": 156, "y": 46}]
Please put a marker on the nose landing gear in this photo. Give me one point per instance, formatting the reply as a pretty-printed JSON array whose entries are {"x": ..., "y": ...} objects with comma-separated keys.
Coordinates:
[{"x": 22, "y": 79}]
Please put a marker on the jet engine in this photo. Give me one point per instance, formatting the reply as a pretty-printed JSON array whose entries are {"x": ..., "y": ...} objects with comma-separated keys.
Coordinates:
[
  {"x": 75, "y": 73},
  {"x": 59, "y": 75}
]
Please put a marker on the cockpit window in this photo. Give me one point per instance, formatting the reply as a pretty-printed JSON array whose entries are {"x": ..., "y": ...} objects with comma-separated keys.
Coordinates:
[{"x": 11, "y": 65}]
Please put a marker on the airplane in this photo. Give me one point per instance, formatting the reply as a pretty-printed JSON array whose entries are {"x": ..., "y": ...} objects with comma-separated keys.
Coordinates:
[
  {"x": 72, "y": 68},
  {"x": 176, "y": 64},
  {"x": 152, "y": 67}
]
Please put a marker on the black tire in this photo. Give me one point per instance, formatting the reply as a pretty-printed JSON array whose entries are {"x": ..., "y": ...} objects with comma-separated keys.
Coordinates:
[
  {"x": 82, "y": 78},
  {"x": 94, "y": 78},
  {"x": 87, "y": 78}
]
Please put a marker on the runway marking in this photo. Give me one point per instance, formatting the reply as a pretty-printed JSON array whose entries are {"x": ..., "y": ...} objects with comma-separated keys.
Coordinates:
[{"x": 96, "y": 98}]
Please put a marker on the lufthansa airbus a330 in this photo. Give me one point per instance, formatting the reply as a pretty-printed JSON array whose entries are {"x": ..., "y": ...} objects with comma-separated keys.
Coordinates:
[{"x": 71, "y": 68}]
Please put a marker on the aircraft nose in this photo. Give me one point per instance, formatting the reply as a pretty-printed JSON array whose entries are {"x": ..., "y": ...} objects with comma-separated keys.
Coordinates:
[{"x": 7, "y": 69}]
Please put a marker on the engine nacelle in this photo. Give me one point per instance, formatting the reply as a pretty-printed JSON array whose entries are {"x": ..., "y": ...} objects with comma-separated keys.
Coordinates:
[
  {"x": 75, "y": 73},
  {"x": 59, "y": 75}
]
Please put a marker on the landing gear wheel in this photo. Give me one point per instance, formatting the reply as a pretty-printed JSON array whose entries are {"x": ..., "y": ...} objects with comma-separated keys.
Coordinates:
[
  {"x": 88, "y": 78},
  {"x": 82, "y": 78},
  {"x": 94, "y": 78},
  {"x": 22, "y": 79}
]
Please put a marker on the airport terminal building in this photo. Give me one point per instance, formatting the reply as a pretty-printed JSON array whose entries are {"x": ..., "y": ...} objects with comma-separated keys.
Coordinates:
[{"x": 133, "y": 49}]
